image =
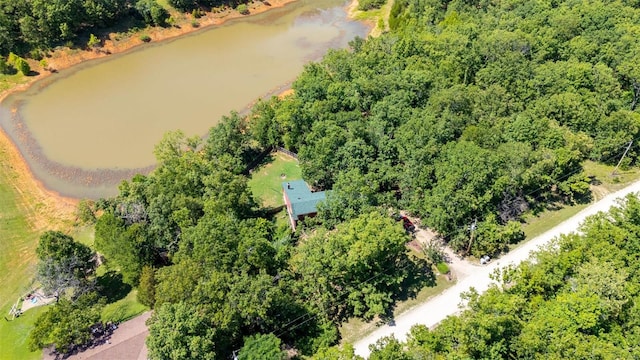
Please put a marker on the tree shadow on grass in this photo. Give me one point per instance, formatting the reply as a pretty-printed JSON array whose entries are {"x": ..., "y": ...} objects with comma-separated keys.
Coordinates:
[
  {"x": 420, "y": 275},
  {"x": 110, "y": 286},
  {"x": 260, "y": 161}
]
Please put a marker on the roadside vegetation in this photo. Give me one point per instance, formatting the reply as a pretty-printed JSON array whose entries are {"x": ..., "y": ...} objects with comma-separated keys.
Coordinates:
[
  {"x": 574, "y": 300},
  {"x": 470, "y": 116}
]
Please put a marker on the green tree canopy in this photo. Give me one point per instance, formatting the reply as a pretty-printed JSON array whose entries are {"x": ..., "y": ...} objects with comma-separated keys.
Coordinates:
[{"x": 64, "y": 264}]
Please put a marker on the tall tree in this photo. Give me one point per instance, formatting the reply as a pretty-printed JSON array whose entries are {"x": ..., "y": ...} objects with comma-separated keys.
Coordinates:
[{"x": 64, "y": 264}]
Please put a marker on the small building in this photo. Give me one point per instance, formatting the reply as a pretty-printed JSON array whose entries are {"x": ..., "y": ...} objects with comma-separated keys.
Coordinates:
[{"x": 301, "y": 202}]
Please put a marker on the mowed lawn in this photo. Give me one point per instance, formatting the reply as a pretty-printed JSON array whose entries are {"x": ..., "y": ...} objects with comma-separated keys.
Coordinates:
[
  {"x": 18, "y": 241},
  {"x": 267, "y": 178}
]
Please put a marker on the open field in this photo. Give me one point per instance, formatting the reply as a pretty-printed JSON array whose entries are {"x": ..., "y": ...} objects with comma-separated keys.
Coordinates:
[
  {"x": 267, "y": 178},
  {"x": 14, "y": 334},
  {"x": 25, "y": 211}
]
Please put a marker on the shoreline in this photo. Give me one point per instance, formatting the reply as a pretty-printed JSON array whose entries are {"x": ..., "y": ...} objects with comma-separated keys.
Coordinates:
[
  {"x": 47, "y": 208},
  {"x": 68, "y": 58}
]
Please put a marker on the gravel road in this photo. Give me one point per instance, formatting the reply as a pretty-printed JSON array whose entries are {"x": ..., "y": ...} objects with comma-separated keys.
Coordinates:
[{"x": 439, "y": 307}]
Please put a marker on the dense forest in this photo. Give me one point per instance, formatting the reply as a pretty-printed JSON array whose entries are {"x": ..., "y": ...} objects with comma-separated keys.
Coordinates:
[
  {"x": 467, "y": 114},
  {"x": 34, "y": 26}
]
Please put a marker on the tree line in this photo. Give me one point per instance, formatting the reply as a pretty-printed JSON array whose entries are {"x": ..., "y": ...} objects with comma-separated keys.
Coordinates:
[
  {"x": 34, "y": 26},
  {"x": 467, "y": 114}
]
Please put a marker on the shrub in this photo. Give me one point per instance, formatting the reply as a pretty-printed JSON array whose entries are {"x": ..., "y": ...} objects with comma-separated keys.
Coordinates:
[
  {"x": 152, "y": 12},
  {"x": 93, "y": 41},
  {"x": 44, "y": 64},
  {"x": 11, "y": 59},
  {"x": 197, "y": 13},
  {"x": 145, "y": 38},
  {"x": 243, "y": 9},
  {"x": 86, "y": 211},
  {"x": 22, "y": 65},
  {"x": 370, "y": 4},
  {"x": 36, "y": 54},
  {"x": 159, "y": 15},
  {"x": 194, "y": 23},
  {"x": 442, "y": 267}
]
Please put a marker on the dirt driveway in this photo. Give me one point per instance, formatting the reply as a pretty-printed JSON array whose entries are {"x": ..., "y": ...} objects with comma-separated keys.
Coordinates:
[{"x": 436, "y": 309}]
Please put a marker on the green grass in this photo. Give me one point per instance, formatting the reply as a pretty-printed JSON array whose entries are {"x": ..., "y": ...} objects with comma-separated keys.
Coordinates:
[
  {"x": 120, "y": 310},
  {"x": 604, "y": 178},
  {"x": 266, "y": 179},
  {"x": 18, "y": 241},
  {"x": 123, "y": 309},
  {"x": 84, "y": 235},
  {"x": 537, "y": 225},
  {"x": 604, "y": 183},
  {"x": 10, "y": 81},
  {"x": 377, "y": 17},
  {"x": 14, "y": 335}
]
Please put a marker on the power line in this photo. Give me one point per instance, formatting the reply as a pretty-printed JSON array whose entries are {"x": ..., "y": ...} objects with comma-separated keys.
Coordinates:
[{"x": 285, "y": 328}]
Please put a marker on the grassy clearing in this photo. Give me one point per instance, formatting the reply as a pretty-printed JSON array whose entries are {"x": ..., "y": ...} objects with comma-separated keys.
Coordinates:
[
  {"x": 604, "y": 183},
  {"x": 10, "y": 81},
  {"x": 18, "y": 240},
  {"x": 378, "y": 17},
  {"x": 356, "y": 329},
  {"x": 123, "y": 309},
  {"x": 17, "y": 244},
  {"x": 537, "y": 225},
  {"x": 266, "y": 179},
  {"x": 14, "y": 334},
  {"x": 84, "y": 235},
  {"x": 605, "y": 180}
]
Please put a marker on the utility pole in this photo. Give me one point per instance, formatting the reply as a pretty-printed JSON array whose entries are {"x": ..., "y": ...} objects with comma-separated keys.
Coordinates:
[
  {"x": 473, "y": 229},
  {"x": 615, "y": 171}
]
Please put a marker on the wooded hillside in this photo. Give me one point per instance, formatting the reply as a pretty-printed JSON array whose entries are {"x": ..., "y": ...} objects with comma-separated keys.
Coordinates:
[{"x": 466, "y": 114}]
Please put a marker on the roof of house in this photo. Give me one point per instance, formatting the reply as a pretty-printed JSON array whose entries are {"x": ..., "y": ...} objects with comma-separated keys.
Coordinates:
[{"x": 303, "y": 201}]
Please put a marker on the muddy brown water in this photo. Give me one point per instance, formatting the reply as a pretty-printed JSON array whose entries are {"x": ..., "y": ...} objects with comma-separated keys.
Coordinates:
[{"x": 84, "y": 130}]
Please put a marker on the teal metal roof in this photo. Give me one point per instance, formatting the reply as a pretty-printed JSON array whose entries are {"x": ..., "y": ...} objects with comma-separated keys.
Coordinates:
[{"x": 303, "y": 201}]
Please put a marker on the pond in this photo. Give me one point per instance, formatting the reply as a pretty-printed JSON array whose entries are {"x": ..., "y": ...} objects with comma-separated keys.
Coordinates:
[{"x": 84, "y": 130}]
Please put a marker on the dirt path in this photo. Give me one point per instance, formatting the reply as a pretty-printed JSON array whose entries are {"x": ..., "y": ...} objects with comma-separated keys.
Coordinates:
[
  {"x": 438, "y": 308},
  {"x": 459, "y": 267},
  {"x": 126, "y": 342}
]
